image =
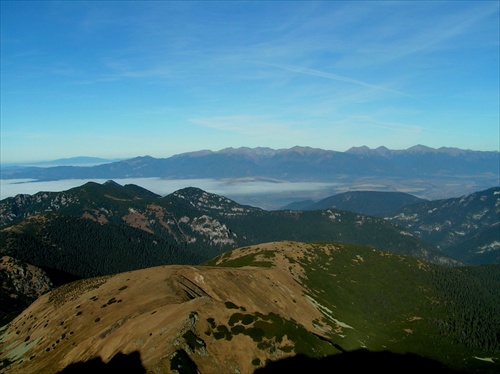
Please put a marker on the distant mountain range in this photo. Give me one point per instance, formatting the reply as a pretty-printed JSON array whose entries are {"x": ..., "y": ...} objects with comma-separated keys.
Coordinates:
[
  {"x": 71, "y": 161},
  {"x": 294, "y": 164}
]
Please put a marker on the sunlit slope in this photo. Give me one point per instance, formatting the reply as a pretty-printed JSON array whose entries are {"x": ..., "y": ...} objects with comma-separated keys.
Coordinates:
[
  {"x": 261, "y": 303},
  {"x": 386, "y": 301}
]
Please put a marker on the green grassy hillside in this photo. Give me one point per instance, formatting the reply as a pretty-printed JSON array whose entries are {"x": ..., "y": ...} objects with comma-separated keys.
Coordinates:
[{"x": 388, "y": 302}]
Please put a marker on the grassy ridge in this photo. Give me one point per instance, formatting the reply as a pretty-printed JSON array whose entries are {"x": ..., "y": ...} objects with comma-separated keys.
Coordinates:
[{"x": 388, "y": 302}]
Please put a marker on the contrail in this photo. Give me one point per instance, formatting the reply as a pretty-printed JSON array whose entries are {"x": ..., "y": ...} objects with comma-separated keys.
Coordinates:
[{"x": 323, "y": 74}]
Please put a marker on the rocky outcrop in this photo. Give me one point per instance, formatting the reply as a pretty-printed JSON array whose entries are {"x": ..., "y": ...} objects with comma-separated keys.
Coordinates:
[{"x": 21, "y": 284}]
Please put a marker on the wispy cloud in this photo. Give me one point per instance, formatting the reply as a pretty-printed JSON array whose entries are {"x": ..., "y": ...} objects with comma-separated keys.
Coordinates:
[
  {"x": 126, "y": 68},
  {"x": 407, "y": 32},
  {"x": 336, "y": 77},
  {"x": 244, "y": 125},
  {"x": 372, "y": 121},
  {"x": 454, "y": 25},
  {"x": 114, "y": 74},
  {"x": 248, "y": 125}
]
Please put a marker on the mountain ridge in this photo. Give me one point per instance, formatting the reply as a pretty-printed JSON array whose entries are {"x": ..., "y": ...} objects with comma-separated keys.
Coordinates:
[
  {"x": 295, "y": 163},
  {"x": 448, "y": 223},
  {"x": 209, "y": 222},
  {"x": 419, "y": 148},
  {"x": 260, "y": 304},
  {"x": 100, "y": 229},
  {"x": 373, "y": 203},
  {"x": 464, "y": 227}
]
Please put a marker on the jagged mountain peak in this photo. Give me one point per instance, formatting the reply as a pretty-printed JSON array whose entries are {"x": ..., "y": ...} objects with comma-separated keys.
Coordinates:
[
  {"x": 294, "y": 164},
  {"x": 360, "y": 150},
  {"x": 383, "y": 150},
  {"x": 210, "y": 202},
  {"x": 258, "y": 151},
  {"x": 367, "y": 151},
  {"x": 304, "y": 150}
]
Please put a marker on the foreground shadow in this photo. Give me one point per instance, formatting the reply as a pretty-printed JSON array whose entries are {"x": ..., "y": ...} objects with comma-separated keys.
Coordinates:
[
  {"x": 359, "y": 360},
  {"x": 120, "y": 363}
]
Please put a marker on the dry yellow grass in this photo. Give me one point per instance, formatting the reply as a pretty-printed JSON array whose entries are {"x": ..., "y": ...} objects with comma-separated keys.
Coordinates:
[{"x": 150, "y": 310}]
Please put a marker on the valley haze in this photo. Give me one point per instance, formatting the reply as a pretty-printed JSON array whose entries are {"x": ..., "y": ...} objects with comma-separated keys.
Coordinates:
[{"x": 271, "y": 179}]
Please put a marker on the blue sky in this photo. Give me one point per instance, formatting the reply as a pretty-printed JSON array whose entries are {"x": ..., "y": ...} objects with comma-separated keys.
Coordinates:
[{"x": 123, "y": 79}]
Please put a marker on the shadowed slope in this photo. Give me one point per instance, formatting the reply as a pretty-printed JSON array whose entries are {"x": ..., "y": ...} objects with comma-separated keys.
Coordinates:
[
  {"x": 121, "y": 363},
  {"x": 356, "y": 361}
]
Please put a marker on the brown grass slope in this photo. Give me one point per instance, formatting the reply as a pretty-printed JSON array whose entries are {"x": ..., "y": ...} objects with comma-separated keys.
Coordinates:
[
  {"x": 224, "y": 318},
  {"x": 150, "y": 311}
]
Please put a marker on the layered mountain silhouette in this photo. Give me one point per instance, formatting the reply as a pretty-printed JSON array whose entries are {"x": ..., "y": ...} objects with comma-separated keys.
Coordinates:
[
  {"x": 103, "y": 229},
  {"x": 109, "y": 277},
  {"x": 128, "y": 228},
  {"x": 297, "y": 163}
]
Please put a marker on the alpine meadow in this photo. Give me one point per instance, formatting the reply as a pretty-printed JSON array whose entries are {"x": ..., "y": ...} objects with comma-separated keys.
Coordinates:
[{"x": 249, "y": 187}]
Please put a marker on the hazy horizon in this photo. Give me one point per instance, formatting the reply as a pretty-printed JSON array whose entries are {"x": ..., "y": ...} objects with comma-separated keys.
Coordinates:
[
  {"x": 262, "y": 193},
  {"x": 117, "y": 79},
  {"x": 67, "y": 161}
]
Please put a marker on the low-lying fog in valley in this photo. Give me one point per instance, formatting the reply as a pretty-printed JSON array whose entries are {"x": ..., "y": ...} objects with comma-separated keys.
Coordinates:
[
  {"x": 271, "y": 194},
  {"x": 265, "y": 194}
]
